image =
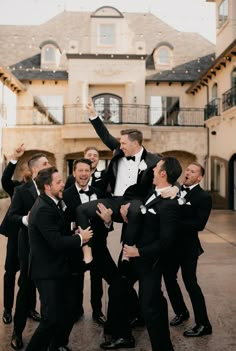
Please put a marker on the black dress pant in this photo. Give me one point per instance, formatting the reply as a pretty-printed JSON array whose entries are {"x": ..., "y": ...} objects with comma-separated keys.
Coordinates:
[
  {"x": 154, "y": 306},
  {"x": 57, "y": 308},
  {"x": 187, "y": 261},
  {"x": 26, "y": 295},
  {"x": 11, "y": 268}
]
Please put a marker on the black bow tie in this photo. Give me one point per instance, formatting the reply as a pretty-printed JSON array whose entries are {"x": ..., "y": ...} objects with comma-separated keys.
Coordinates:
[
  {"x": 88, "y": 192},
  {"x": 130, "y": 158},
  {"x": 184, "y": 188}
]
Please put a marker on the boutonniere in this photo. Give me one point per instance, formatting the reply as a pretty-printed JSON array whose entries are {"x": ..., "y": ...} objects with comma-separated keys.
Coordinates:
[
  {"x": 97, "y": 174},
  {"x": 143, "y": 209},
  {"x": 142, "y": 166},
  {"x": 181, "y": 201}
]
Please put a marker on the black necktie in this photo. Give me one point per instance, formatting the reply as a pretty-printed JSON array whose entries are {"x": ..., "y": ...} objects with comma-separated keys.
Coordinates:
[
  {"x": 130, "y": 158},
  {"x": 59, "y": 205},
  {"x": 184, "y": 188}
]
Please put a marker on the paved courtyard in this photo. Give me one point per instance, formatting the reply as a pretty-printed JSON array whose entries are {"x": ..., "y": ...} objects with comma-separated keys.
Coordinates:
[{"x": 217, "y": 277}]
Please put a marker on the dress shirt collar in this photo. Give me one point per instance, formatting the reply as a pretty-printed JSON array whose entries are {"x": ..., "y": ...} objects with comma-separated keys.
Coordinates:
[{"x": 78, "y": 188}]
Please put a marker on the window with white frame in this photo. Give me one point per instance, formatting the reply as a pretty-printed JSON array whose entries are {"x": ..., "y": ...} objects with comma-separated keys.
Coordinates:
[
  {"x": 163, "y": 56},
  {"x": 223, "y": 13},
  {"x": 106, "y": 34},
  {"x": 49, "y": 53}
]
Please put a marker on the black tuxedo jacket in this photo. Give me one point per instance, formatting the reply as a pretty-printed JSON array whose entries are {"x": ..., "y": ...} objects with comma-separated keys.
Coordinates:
[
  {"x": 194, "y": 216},
  {"x": 159, "y": 232},
  {"x": 8, "y": 228},
  {"x": 7, "y": 183},
  {"x": 145, "y": 177},
  {"x": 22, "y": 202},
  {"x": 49, "y": 244}
]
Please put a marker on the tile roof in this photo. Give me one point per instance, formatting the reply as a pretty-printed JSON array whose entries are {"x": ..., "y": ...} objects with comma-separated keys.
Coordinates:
[
  {"x": 21, "y": 42},
  {"x": 187, "y": 72}
]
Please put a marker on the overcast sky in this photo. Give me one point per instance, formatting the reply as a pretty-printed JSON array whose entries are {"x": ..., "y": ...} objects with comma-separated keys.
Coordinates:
[{"x": 184, "y": 15}]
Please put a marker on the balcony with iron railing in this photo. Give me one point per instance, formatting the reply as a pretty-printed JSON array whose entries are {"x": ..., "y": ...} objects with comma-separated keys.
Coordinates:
[
  {"x": 212, "y": 109},
  {"x": 229, "y": 99},
  {"x": 120, "y": 114}
]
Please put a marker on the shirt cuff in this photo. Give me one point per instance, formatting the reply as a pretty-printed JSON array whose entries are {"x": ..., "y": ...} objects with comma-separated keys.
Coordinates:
[
  {"x": 108, "y": 225},
  {"x": 81, "y": 239},
  {"x": 92, "y": 118},
  {"x": 25, "y": 221}
]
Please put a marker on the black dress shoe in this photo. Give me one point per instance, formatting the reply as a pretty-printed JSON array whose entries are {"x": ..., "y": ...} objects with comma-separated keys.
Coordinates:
[
  {"x": 7, "y": 316},
  {"x": 16, "y": 341},
  {"x": 198, "y": 330},
  {"x": 119, "y": 343},
  {"x": 179, "y": 318},
  {"x": 34, "y": 315},
  {"x": 99, "y": 318}
]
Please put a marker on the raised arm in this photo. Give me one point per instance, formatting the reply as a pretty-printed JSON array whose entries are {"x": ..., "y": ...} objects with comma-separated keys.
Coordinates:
[{"x": 111, "y": 142}]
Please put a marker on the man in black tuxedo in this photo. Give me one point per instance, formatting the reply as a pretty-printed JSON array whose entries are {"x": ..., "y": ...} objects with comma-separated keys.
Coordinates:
[
  {"x": 129, "y": 173},
  {"x": 103, "y": 264},
  {"x": 23, "y": 199},
  {"x": 195, "y": 207},
  {"x": 49, "y": 265},
  {"x": 154, "y": 247},
  {"x": 10, "y": 230},
  {"x": 97, "y": 179}
]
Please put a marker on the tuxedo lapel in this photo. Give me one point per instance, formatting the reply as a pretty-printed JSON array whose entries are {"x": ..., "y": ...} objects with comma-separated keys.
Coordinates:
[
  {"x": 32, "y": 190},
  {"x": 154, "y": 201},
  {"x": 52, "y": 203},
  {"x": 75, "y": 198}
]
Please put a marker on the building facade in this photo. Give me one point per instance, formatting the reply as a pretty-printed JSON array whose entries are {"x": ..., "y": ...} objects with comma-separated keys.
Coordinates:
[{"x": 139, "y": 71}]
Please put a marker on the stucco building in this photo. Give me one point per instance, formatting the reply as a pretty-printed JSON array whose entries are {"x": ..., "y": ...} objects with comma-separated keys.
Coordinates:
[{"x": 139, "y": 71}]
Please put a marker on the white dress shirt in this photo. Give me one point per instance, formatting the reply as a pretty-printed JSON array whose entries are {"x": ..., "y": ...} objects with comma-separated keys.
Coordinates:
[{"x": 127, "y": 173}]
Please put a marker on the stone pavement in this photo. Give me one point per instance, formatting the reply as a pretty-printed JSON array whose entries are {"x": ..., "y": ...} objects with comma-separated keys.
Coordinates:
[{"x": 217, "y": 268}]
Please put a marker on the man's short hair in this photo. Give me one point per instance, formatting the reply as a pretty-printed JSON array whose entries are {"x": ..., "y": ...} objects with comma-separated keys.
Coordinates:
[
  {"x": 82, "y": 160},
  {"x": 34, "y": 158},
  {"x": 202, "y": 169},
  {"x": 45, "y": 177},
  {"x": 172, "y": 167},
  {"x": 133, "y": 134},
  {"x": 90, "y": 148}
]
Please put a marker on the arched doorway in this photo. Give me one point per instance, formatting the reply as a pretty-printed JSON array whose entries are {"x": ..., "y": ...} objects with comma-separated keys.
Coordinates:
[{"x": 109, "y": 107}]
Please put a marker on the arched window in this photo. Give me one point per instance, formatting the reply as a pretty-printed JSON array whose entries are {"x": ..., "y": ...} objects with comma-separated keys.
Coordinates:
[
  {"x": 108, "y": 106},
  {"x": 50, "y": 54},
  {"x": 233, "y": 78},
  {"x": 215, "y": 91},
  {"x": 162, "y": 56}
]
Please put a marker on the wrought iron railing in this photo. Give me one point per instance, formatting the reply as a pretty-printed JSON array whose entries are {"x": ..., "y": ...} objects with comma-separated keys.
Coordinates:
[
  {"x": 122, "y": 114},
  {"x": 212, "y": 109},
  {"x": 229, "y": 99}
]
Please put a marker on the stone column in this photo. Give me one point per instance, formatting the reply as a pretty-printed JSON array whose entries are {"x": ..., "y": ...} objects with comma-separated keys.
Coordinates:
[
  {"x": 202, "y": 160},
  {"x": 61, "y": 164}
]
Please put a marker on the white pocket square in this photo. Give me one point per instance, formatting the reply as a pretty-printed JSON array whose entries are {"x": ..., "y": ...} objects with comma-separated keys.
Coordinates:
[
  {"x": 188, "y": 203},
  {"x": 152, "y": 210}
]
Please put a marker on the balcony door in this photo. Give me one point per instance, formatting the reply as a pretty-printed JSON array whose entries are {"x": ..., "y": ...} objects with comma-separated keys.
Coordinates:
[{"x": 108, "y": 106}]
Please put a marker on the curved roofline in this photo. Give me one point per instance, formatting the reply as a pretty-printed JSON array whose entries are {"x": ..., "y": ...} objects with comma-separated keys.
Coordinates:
[
  {"x": 164, "y": 43},
  {"x": 46, "y": 42},
  {"x": 107, "y": 7}
]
